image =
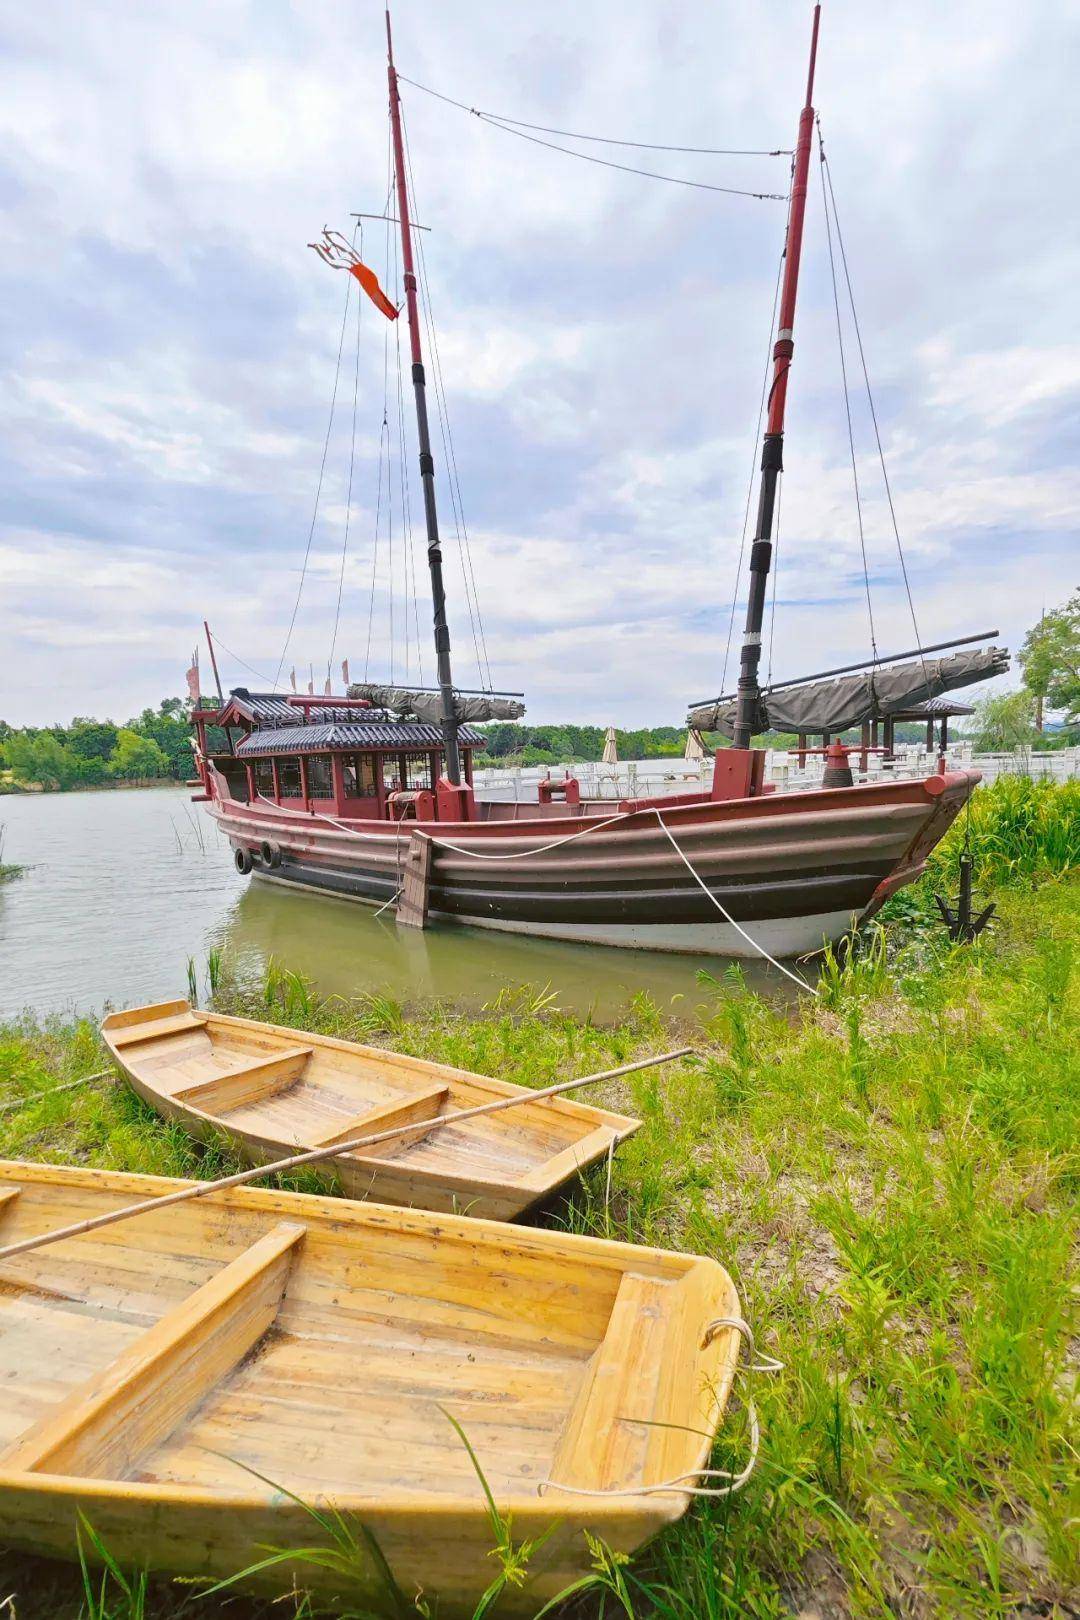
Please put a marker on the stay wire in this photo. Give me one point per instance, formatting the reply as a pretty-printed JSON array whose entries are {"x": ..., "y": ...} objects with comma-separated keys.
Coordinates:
[
  {"x": 465, "y": 558},
  {"x": 605, "y": 140},
  {"x": 238, "y": 660},
  {"x": 513, "y": 127},
  {"x": 873, "y": 410},
  {"x": 384, "y": 431},
  {"x": 753, "y": 466},
  {"x": 352, "y": 463},
  {"x": 847, "y": 399},
  {"x": 319, "y": 485}
]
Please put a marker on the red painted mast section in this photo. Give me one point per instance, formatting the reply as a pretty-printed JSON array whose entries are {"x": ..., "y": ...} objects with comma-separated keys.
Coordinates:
[
  {"x": 772, "y": 450},
  {"x": 427, "y": 464}
]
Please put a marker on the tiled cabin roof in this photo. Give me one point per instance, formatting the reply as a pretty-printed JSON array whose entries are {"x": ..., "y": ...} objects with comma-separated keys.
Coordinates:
[
  {"x": 387, "y": 735},
  {"x": 274, "y": 709}
]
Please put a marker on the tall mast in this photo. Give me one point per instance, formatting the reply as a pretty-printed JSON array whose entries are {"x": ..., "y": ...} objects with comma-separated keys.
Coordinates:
[
  {"x": 772, "y": 454},
  {"x": 427, "y": 464}
]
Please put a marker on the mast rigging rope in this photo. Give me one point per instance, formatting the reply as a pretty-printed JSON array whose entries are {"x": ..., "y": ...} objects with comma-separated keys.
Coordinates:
[
  {"x": 465, "y": 558},
  {"x": 352, "y": 464},
  {"x": 604, "y": 140},
  {"x": 588, "y": 157},
  {"x": 753, "y": 462},
  {"x": 847, "y": 403},
  {"x": 870, "y": 400},
  {"x": 319, "y": 485}
]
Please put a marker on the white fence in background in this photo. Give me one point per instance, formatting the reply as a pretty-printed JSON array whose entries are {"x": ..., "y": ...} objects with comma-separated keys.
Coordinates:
[{"x": 649, "y": 778}]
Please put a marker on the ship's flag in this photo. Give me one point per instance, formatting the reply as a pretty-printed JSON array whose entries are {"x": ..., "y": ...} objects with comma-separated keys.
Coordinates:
[
  {"x": 345, "y": 670},
  {"x": 326, "y": 688},
  {"x": 340, "y": 254},
  {"x": 193, "y": 677},
  {"x": 292, "y": 677}
]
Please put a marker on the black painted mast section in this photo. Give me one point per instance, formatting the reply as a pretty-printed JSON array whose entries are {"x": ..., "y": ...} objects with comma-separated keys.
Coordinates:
[
  {"x": 427, "y": 464},
  {"x": 772, "y": 455}
]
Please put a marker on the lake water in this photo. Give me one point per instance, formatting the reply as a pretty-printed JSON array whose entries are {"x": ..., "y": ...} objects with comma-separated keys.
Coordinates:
[{"x": 123, "y": 887}]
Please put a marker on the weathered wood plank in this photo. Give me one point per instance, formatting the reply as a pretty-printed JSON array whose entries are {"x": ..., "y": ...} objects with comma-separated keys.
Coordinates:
[
  {"x": 412, "y": 906},
  {"x": 252, "y": 1082},
  {"x": 156, "y": 1029}
]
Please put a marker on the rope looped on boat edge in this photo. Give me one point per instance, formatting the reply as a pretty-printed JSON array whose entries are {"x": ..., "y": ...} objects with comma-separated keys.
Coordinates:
[{"x": 680, "y": 1486}]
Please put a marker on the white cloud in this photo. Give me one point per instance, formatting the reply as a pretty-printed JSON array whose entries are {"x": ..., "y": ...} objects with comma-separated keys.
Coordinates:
[{"x": 172, "y": 341}]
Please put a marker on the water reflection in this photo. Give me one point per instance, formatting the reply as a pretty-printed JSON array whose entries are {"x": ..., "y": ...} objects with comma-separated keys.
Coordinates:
[{"x": 345, "y": 949}]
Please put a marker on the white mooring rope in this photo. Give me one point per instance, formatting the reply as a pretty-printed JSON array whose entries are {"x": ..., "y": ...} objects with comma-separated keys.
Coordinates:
[{"x": 734, "y": 1480}]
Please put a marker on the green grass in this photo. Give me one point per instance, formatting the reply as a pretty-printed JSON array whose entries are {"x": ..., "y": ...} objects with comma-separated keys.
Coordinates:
[{"x": 890, "y": 1174}]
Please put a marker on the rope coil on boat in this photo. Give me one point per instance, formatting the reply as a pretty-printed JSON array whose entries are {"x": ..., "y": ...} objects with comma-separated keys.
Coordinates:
[{"x": 735, "y": 1480}]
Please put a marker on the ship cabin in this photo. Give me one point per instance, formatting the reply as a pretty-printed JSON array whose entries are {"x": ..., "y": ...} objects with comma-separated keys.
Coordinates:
[{"x": 335, "y": 756}]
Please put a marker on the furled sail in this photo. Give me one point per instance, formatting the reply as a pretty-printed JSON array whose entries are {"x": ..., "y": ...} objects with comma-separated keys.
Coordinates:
[
  {"x": 872, "y": 694},
  {"x": 406, "y": 702}
]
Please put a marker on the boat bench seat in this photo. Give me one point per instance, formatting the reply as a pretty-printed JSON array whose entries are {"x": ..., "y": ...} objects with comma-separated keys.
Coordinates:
[
  {"x": 155, "y": 1029},
  {"x": 422, "y": 1108},
  {"x": 252, "y": 1082},
  {"x": 608, "y": 1438}
]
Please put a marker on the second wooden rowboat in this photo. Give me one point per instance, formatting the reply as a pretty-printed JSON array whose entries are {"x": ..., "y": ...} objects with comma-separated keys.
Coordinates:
[
  {"x": 270, "y": 1091},
  {"x": 191, "y": 1377}
]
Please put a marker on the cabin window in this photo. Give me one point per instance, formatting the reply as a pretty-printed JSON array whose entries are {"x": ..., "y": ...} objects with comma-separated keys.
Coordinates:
[
  {"x": 320, "y": 776},
  {"x": 264, "y": 777},
  {"x": 289, "y": 777},
  {"x": 417, "y": 771},
  {"x": 359, "y": 776}
]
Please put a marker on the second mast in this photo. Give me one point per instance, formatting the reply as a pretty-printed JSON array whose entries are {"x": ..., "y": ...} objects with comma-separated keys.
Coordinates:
[{"x": 772, "y": 454}]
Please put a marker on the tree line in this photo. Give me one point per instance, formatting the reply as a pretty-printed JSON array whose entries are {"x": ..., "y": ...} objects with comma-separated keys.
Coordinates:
[{"x": 92, "y": 753}]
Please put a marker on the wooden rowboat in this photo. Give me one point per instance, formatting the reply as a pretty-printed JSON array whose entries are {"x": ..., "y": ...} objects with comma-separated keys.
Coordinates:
[
  {"x": 271, "y": 1091},
  {"x": 155, "y": 1368}
]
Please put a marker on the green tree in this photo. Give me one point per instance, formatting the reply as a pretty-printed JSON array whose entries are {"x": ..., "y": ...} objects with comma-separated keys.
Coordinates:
[
  {"x": 1005, "y": 721},
  {"x": 42, "y": 759},
  {"x": 136, "y": 758},
  {"x": 168, "y": 727},
  {"x": 91, "y": 739},
  {"x": 1050, "y": 660}
]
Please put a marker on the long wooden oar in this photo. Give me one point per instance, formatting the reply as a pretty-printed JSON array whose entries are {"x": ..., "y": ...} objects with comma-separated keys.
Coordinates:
[{"x": 199, "y": 1189}]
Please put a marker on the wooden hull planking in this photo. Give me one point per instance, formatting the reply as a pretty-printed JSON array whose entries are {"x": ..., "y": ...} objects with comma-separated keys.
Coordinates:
[
  {"x": 270, "y": 1091},
  {"x": 800, "y": 868},
  {"x": 154, "y": 1368}
]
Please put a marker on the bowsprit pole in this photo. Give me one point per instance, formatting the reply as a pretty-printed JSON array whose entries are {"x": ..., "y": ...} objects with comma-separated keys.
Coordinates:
[
  {"x": 772, "y": 457},
  {"x": 427, "y": 464}
]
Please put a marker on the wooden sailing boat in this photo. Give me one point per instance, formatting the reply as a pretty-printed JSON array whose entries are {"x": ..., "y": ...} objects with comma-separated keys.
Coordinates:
[
  {"x": 370, "y": 796},
  {"x": 195, "y": 1379},
  {"x": 268, "y": 1092}
]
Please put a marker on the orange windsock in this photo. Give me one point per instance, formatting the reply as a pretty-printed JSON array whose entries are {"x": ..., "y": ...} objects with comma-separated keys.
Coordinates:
[{"x": 370, "y": 283}]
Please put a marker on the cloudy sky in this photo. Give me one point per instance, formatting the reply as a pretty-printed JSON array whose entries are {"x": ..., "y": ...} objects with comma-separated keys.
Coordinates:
[{"x": 169, "y": 343}]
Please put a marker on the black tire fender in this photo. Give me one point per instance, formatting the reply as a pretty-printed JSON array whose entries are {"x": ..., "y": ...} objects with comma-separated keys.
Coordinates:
[
  {"x": 242, "y": 860},
  {"x": 270, "y": 853}
]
